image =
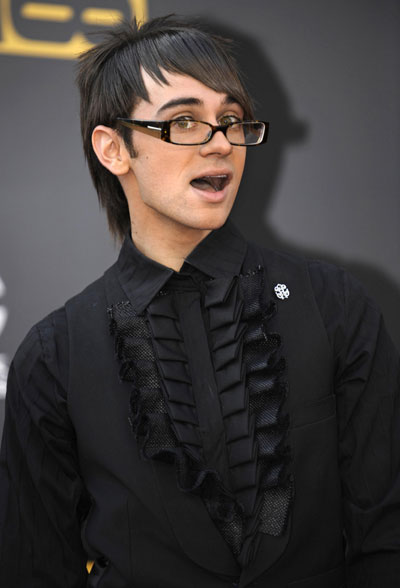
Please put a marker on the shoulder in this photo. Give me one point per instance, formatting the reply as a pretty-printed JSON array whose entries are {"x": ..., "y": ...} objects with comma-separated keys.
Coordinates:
[
  {"x": 38, "y": 375},
  {"x": 90, "y": 296},
  {"x": 42, "y": 344},
  {"x": 322, "y": 276},
  {"x": 44, "y": 352},
  {"x": 326, "y": 279},
  {"x": 346, "y": 309}
]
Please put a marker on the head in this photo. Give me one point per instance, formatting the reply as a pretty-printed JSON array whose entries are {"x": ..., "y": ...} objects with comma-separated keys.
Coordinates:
[{"x": 114, "y": 78}]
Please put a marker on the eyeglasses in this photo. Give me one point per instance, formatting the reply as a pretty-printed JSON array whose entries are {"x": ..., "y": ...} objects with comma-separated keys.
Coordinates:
[{"x": 197, "y": 132}]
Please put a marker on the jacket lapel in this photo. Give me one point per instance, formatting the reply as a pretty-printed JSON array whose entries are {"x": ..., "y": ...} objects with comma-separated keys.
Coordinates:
[
  {"x": 269, "y": 550},
  {"x": 195, "y": 532}
]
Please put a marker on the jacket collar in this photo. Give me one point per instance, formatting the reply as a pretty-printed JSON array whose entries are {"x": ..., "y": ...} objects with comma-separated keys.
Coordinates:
[{"x": 220, "y": 254}]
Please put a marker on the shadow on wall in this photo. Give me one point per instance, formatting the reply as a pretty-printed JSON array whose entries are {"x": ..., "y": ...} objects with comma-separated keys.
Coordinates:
[{"x": 264, "y": 166}]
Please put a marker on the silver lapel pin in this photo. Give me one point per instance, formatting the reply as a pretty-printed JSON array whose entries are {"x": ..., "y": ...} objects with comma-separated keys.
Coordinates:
[{"x": 282, "y": 291}]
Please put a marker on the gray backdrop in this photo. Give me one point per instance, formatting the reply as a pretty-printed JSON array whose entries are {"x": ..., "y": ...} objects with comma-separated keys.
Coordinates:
[{"x": 325, "y": 74}]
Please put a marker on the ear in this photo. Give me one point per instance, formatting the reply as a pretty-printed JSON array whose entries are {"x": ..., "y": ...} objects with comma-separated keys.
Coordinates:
[{"x": 111, "y": 150}]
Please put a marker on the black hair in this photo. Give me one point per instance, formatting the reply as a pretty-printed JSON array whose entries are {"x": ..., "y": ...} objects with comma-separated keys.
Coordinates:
[{"x": 111, "y": 85}]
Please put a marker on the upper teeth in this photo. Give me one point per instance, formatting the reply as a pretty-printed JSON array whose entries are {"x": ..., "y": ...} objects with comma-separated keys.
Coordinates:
[{"x": 211, "y": 177}]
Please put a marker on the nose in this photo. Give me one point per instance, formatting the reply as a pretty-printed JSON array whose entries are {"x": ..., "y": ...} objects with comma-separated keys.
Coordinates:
[{"x": 219, "y": 145}]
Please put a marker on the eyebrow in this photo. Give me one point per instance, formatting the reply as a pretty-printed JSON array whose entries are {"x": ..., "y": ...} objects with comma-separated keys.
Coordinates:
[{"x": 191, "y": 101}]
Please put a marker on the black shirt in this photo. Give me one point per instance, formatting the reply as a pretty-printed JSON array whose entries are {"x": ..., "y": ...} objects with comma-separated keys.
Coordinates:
[{"x": 43, "y": 499}]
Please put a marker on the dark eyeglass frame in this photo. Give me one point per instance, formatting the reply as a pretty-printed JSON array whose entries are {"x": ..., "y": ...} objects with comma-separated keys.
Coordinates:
[{"x": 153, "y": 127}]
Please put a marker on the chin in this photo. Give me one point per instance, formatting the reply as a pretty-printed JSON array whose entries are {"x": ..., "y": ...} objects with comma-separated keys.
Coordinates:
[
  {"x": 211, "y": 219},
  {"x": 209, "y": 224}
]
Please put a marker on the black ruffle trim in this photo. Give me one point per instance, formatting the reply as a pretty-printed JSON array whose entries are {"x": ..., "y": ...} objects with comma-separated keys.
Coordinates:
[
  {"x": 249, "y": 370},
  {"x": 265, "y": 369},
  {"x": 149, "y": 416}
]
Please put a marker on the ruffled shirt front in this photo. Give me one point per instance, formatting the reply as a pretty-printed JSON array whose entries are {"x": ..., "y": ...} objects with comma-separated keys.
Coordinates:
[{"x": 208, "y": 394}]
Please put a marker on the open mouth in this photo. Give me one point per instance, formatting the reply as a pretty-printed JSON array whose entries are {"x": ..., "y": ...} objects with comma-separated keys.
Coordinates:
[{"x": 215, "y": 183}]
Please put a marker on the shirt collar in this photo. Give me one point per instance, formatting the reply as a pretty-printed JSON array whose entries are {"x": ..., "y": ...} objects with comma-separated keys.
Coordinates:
[{"x": 220, "y": 254}]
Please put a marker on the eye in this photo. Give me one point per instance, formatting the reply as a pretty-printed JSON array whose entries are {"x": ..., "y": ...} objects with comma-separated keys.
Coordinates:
[
  {"x": 229, "y": 118},
  {"x": 182, "y": 123}
]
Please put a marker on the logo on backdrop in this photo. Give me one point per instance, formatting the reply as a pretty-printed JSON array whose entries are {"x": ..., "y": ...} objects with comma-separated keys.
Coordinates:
[
  {"x": 59, "y": 29},
  {"x": 3, "y": 357}
]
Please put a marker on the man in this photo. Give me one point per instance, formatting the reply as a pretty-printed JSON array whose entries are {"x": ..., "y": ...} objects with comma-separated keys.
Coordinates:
[{"x": 208, "y": 413}]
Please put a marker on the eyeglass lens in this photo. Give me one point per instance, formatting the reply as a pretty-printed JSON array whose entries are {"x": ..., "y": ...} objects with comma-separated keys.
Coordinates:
[{"x": 190, "y": 131}]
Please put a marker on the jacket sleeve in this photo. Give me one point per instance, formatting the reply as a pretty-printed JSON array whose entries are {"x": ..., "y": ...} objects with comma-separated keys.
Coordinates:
[
  {"x": 42, "y": 498},
  {"x": 367, "y": 387}
]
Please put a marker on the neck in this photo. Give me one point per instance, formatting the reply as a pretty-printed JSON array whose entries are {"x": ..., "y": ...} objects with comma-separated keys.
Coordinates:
[{"x": 167, "y": 247}]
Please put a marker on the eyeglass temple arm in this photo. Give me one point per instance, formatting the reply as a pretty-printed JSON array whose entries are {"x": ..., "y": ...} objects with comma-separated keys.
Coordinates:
[{"x": 142, "y": 126}]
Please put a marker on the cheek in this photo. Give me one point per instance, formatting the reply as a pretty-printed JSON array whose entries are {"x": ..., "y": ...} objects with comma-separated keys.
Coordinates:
[
  {"x": 165, "y": 168},
  {"x": 160, "y": 182},
  {"x": 241, "y": 159}
]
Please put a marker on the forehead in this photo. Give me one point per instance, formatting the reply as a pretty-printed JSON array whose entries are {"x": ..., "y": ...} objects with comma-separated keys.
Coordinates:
[{"x": 180, "y": 89}]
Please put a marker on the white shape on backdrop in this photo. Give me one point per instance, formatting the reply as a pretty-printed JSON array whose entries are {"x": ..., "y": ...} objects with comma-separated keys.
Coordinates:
[{"x": 3, "y": 356}]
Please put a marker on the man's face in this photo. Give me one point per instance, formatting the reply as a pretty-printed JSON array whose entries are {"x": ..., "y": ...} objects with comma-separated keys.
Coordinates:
[{"x": 159, "y": 186}]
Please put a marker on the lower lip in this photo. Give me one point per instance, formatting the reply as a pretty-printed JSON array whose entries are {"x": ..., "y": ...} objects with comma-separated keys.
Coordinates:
[{"x": 211, "y": 196}]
